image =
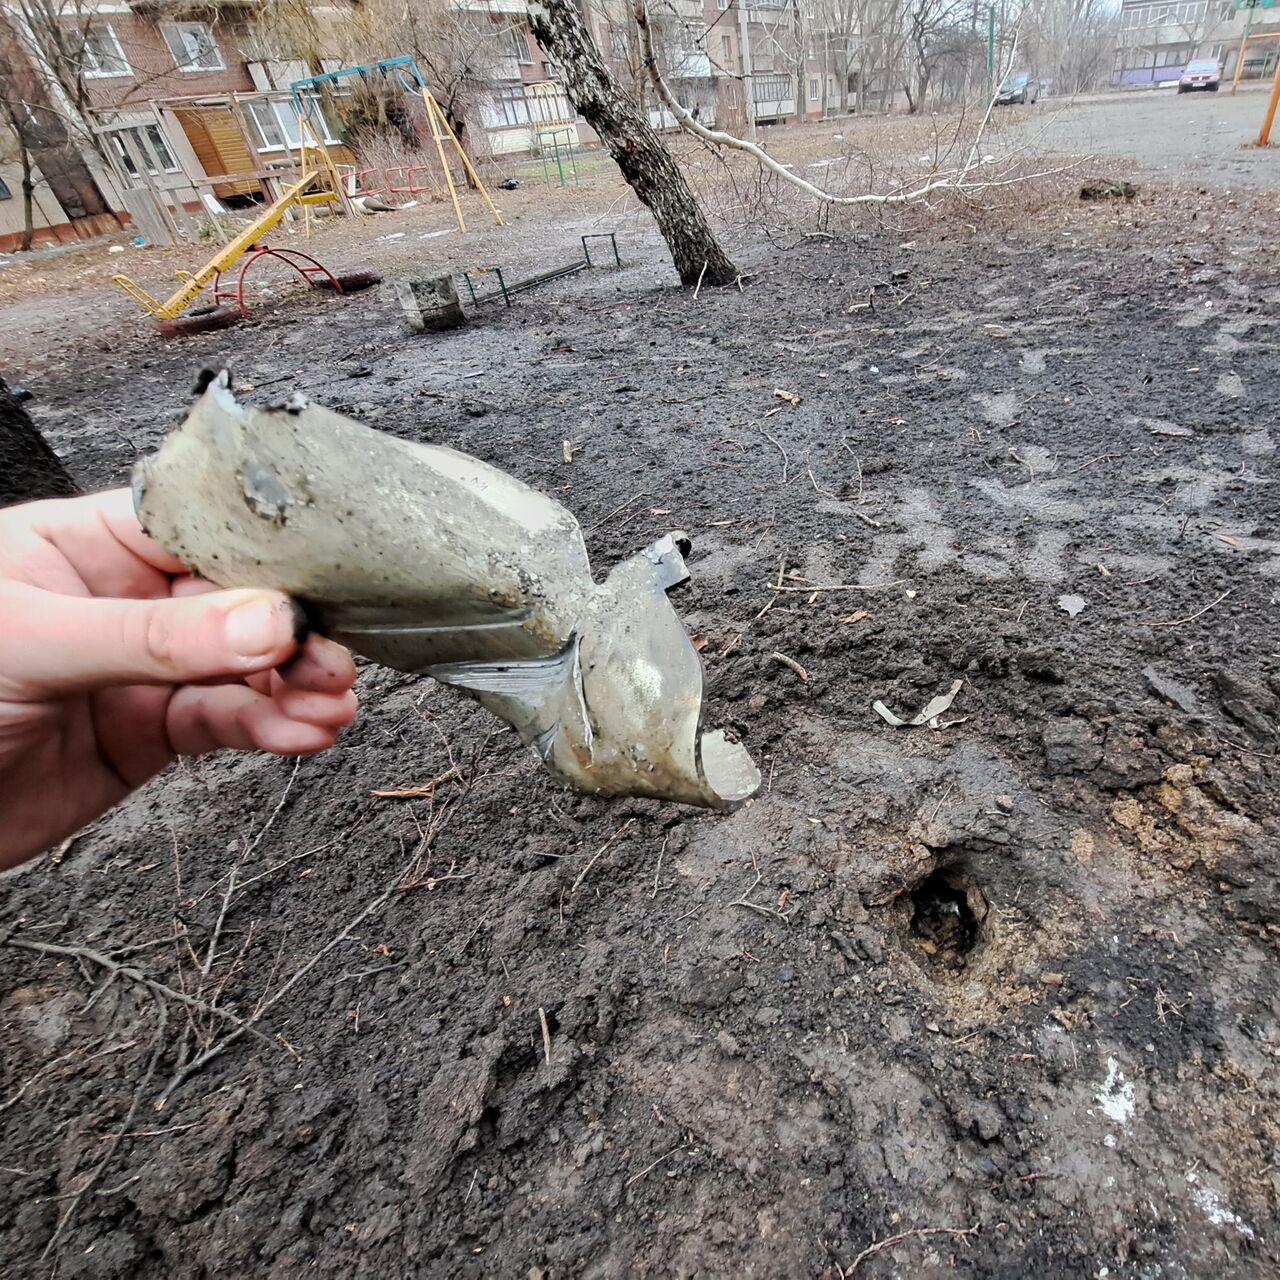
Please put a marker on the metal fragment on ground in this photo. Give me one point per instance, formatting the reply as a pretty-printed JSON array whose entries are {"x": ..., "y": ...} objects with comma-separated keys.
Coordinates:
[
  {"x": 428, "y": 560},
  {"x": 927, "y": 715}
]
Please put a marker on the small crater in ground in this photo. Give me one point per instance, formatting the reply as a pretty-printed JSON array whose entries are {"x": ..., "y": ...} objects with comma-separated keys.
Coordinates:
[{"x": 948, "y": 911}]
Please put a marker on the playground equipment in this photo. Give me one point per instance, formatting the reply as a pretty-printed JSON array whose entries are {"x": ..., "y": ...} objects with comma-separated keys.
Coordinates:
[
  {"x": 505, "y": 288},
  {"x": 559, "y": 143},
  {"x": 405, "y": 73},
  {"x": 249, "y": 247},
  {"x": 192, "y": 283},
  {"x": 1264, "y": 134},
  {"x": 319, "y": 183}
]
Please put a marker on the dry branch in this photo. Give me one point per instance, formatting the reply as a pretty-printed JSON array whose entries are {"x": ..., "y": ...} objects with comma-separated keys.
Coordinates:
[
  {"x": 918, "y": 1233},
  {"x": 117, "y": 970},
  {"x": 426, "y": 788},
  {"x": 595, "y": 857},
  {"x": 956, "y": 179}
]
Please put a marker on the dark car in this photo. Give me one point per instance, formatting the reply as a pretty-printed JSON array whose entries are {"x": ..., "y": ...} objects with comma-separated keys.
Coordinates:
[
  {"x": 1203, "y": 73},
  {"x": 1021, "y": 87}
]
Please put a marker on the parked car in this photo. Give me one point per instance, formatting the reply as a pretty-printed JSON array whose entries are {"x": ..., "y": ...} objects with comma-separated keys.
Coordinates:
[
  {"x": 1203, "y": 73},
  {"x": 1022, "y": 87}
]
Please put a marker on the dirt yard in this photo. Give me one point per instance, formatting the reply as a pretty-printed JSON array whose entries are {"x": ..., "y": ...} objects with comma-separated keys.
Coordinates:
[{"x": 1000, "y": 998}]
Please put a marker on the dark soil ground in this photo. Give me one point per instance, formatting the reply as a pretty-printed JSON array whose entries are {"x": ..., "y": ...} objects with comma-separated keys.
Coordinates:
[{"x": 1002, "y": 996}]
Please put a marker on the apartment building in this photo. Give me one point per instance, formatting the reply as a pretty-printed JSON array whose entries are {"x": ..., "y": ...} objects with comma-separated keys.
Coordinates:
[
  {"x": 802, "y": 58},
  {"x": 1157, "y": 38},
  {"x": 178, "y": 106}
]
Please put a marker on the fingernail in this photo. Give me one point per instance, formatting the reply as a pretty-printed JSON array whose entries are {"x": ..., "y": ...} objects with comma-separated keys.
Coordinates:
[{"x": 258, "y": 627}]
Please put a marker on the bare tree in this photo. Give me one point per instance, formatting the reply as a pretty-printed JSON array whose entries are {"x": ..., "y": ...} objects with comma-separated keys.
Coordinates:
[
  {"x": 645, "y": 162},
  {"x": 837, "y": 28},
  {"x": 15, "y": 148},
  {"x": 677, "y": 36},
  {"x": 1071, "y": 41},
  {"x": 939, "y": 32},
  {"x": 49, "y": 128},
  {"x": 881, "y": 41}
]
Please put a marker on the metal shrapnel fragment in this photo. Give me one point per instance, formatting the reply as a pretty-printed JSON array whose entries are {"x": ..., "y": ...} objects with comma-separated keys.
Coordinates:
[{"x": 428, "y": 560}]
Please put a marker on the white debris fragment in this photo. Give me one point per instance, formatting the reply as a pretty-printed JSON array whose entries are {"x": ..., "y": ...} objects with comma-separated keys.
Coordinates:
[
  {"x": 1206, "y": 1200},
  {"x": 1116, "y": 1097},
  {"x": 1072, "y": 604},
  {"x": 927, "y": 715}
]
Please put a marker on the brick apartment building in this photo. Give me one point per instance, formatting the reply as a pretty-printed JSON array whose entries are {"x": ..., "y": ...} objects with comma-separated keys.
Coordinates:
[{"x": 187, "y": 104}]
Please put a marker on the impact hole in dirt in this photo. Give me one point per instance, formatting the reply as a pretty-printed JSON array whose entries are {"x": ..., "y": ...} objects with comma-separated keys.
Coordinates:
[{"x": 948, "y": 912}]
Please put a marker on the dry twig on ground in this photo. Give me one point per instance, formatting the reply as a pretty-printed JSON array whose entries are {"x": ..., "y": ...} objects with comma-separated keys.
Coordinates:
[
  {"x": 917, "y": 1233},
  {"x": 162, "y": 1011}
]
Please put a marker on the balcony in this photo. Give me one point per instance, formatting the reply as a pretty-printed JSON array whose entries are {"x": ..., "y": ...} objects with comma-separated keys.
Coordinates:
[{"x": 690, "y": 64}]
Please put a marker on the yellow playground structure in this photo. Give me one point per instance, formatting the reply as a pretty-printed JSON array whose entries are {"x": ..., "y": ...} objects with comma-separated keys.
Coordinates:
[{"x": 319, "y": 183}]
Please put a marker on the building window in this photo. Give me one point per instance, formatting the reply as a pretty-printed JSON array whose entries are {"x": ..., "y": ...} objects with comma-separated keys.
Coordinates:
[
  {"x": 517, "y": 45},
  {"x": 815, "y": 88},
  {"x": 276, "y": 126},
  {"x": 156, "y": 145},
  {"x": 771, "y": 88},
  {"x": 617, "y": 42},
  {"x": 192, "y": 46},
  {"x": 150, "y": 144},
  {"x": 507, "y": 107},
  {"x": 101, "y": 54},
  {"x": 548, "y": 105}
]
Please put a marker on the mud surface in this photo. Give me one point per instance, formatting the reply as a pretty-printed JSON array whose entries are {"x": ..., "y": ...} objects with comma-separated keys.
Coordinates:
[{"x": 1005, "y": 991}]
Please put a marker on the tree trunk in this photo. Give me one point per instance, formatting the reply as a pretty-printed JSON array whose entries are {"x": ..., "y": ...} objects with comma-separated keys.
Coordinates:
[
  {"x": 458, "y": 127},
  {"x": 28, "y": 199},
  {"x": 645, "y": 162},
  {"x": 29, "y": 468},
  {"x": 41, "y": 129}
]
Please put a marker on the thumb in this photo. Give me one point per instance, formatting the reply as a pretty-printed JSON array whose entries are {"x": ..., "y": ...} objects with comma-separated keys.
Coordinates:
[{"x": 53, "y": 644}]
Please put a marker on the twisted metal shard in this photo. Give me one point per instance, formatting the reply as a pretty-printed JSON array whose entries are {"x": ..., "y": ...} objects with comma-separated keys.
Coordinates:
[{"x": 430, "y": 561}]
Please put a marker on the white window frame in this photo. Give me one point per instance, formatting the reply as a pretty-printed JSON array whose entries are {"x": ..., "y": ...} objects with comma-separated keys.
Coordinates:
[
  {"x": 174, "y": 36},
  {"x": 513, "y": 97},
  {"x": 518, "y": 44},
  {"x": 287, "y": 130},
  {"x": 140, "y": 136},
  {"x": 123, "y": 69}
]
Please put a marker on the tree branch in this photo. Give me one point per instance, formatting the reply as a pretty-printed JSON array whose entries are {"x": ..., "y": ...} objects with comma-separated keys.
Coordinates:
[{"x": 949, "y": 181}]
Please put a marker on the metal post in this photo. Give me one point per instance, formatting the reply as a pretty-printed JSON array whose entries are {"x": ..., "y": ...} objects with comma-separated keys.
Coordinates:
[
  {"x": 744, "y": 50},
  {"x": 991, "y": 50},
  {"x": 555, "y": 142},
  {"x": 1264, "y": 134},
  {"x": 1244, "y": 40}
]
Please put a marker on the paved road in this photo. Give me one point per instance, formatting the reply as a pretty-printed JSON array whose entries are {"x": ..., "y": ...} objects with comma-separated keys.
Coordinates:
[{"x": 1194, "y": 137}]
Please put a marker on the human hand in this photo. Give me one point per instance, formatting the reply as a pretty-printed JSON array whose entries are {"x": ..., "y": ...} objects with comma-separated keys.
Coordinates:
[{"x": 114, "y": 660}]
